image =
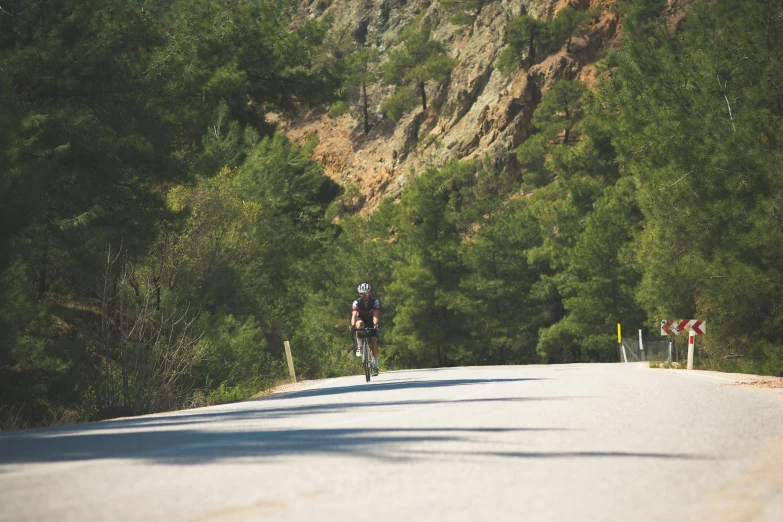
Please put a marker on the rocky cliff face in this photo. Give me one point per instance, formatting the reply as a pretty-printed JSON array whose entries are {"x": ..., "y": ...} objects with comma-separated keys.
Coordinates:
[{"x": 479, "y": 112}]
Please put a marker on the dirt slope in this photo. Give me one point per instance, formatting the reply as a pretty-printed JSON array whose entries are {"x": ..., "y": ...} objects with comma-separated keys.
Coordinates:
[{"x": 478, "y": 112}]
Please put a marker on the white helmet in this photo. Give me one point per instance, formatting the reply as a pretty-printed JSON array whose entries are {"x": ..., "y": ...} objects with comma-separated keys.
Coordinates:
[{"x": 364, "y": 288}]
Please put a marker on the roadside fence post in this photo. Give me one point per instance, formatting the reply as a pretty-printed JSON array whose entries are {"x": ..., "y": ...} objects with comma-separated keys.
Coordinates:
[
  {"x": 691, "y": 339},
  {"x": 290, "y": 360},
  {"x": 620, "y": 342},
  {"x": 641, "y": 346}
]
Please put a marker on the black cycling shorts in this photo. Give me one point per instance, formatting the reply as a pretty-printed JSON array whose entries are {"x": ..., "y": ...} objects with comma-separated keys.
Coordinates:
[{"x": 367, "y": 320}]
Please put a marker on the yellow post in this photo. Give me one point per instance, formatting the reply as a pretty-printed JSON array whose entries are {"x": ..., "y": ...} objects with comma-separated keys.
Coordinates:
[{"x": 290, "y": 360}]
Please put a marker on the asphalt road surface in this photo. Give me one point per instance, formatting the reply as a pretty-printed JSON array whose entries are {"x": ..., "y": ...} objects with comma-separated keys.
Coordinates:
[{"x": 571, "y": 443}]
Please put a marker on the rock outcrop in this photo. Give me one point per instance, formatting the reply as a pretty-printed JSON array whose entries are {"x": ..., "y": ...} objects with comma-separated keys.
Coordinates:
[{"x": 479, "y": 112}]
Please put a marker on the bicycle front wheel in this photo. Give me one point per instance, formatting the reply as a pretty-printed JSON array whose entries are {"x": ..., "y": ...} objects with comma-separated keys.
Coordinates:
[{"x": 367, "y": 359}]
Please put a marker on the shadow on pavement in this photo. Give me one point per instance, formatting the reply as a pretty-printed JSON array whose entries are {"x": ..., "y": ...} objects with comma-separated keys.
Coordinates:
[
  {"x": 189, "y": 437},
  {"x": 257, "y": 408},
  {"x": 258, "y": 412},
  {"x": 201, "y": 447},
  {"x": 193, "y": 447},
  {"x": 573, "y": 454},
  {"x": 393, "y": 384}
]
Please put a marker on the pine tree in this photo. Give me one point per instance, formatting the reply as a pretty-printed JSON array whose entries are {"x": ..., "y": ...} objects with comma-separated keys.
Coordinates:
[
  {"x": 525, "y": 36},
  {"x": 361, "y": 65},
  {"x": 560, "y": 111},
  {"x": 559, "y": 114},
  {"x": 697, "y": 116},
  {"x": 105, "y": 108},
  {"x": 464, "y": 12},
  {"x": 418, "y": 61},
  {"x": 429, "y": 329},
  {"x": 567, "y": 23},
  {"x": 497, "y": 300},
  {"x": 529, "y": 37}
]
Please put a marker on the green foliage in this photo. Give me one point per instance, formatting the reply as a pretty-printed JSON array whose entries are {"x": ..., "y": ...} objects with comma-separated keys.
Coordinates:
[
  {"x": 403, "y": 100},
  {"x": 567, "y": 23},
  {"x": 528, "y": 37},
  {"x": 360, "y": 72},
  {"x": 224, "y": 394},
  {"x": 641, "y": 12},
  {"x": 448, "y": 249},
  {"x": 588, "y": 221},
  {"x": 525, "y": 36},
  {"x": 32, "y": 370},
  {"x": 428, "y": 328},
  {"x": 508, "y": 60},
  {"x": 338, "y": 108},
  {"x": 240, "y": 354},
  {"x": 361, "y": 65},
  {"x": 560, "y": 113},
  {"x": 499, "y": 282},
  {"x": 107, "y": 107},
  {"x": 418, "y": 61},
  {"x": 599, "y": 282},
  {"x": 144, "y": 130},
  {"x": 697, "y": 118},
  {"x": 463, "y": 12}
]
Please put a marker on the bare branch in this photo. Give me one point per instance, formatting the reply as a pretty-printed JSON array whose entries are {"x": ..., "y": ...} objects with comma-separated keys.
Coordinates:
[
  {"x": 725, "y": 97},
  {"x": 3, "y": 11},
  {"x": 673, "y": 184}
]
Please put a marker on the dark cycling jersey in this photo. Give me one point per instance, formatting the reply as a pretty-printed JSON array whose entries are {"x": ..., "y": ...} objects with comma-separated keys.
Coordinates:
[{"x": 365, "y": 309}]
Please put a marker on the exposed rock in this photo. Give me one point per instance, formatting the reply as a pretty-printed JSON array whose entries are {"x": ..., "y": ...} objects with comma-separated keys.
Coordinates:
[{"x": 478, "y": 112}]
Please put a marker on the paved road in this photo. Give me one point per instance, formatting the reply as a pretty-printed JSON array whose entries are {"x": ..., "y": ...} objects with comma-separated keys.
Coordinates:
[{"x": 572, "y": 443}]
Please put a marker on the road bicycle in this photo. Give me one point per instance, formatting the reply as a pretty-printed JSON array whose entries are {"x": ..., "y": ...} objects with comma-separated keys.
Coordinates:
[{"x": 364, "y": 335}]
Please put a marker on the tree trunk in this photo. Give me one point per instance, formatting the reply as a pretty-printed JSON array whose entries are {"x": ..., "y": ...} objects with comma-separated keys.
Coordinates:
[
  {"x": 423, "y": 96},
  {"x": 42, "y": 276},
  {"x": 502, "y": 351},
  {"x": 366, "y": 120},
  {"x": 531, "y": 52},
  {"x": 156, "y": 282},
  {"x": 124, "y": 338}
]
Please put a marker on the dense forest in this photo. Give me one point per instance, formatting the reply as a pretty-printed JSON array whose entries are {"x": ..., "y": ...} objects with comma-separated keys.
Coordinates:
[{"x": 160, "y": 237}]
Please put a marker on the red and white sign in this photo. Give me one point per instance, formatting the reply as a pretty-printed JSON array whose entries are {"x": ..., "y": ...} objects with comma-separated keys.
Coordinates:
[{"x": 677, "y": 326}]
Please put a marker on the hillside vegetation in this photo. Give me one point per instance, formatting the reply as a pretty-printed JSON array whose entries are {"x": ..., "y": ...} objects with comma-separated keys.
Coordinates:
[{"x": 160, "y": 237}]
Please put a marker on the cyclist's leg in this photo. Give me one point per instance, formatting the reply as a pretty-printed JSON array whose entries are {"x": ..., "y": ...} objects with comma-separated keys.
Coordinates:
[
  {"x": 374, "y": 352},
  {"x": 359, "y": 324}
]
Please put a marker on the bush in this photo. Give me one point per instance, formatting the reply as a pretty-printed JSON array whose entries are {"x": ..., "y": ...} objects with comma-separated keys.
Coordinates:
[
  {"x": 338, "y": 109},
  {"x": 403, "y": 100},
  {"x": 224, "y": 394}
]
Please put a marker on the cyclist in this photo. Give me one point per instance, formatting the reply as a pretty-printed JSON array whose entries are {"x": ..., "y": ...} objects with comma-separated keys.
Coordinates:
[{"x": 365, "y": 312}]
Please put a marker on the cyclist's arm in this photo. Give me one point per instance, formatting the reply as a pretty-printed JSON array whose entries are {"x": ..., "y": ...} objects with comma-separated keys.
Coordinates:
[
  {"x": 376, "y": 314},
  {"x": 354, "y": 317}
]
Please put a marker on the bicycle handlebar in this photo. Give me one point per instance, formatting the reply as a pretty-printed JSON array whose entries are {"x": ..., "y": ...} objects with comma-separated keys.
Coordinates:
[{"x": 366, "y": 332}]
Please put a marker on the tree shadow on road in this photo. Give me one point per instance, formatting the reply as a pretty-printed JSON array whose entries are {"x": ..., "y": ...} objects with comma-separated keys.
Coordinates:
[
  {"x": 394, "y": 384},
  {"x": 259, "y": 411},
  {"x": 237, "y": 433},
  {"x": 195, "y": 447},
  {"x": 261, "y": 408},
  {"x": 183, "y": 446},
  {"x": 572, "y": 454}
]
